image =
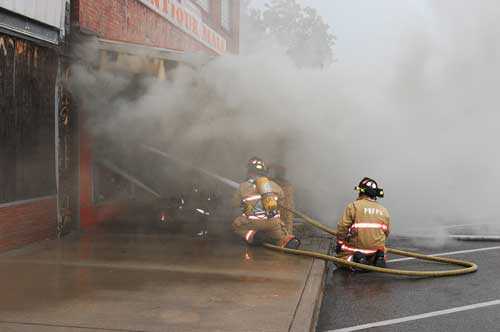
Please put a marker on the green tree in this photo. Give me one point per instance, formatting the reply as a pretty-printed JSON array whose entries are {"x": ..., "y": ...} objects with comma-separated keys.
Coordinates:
[{"x": 301, "y": 30}]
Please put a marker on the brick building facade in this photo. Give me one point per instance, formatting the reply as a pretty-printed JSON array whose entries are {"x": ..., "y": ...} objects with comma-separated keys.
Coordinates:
[
  {"x": 48, "y": 179},
  {"x": 162, "y": 32},
  {"x": 134, "y": 22},
  {"x": 32, "y": 39},
  {"x": 26, "y": 222}
]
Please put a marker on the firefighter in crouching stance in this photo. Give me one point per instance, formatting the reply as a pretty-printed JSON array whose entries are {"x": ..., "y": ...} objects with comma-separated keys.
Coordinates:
[
  {"x": 259, "y": 199},
  {"x": 364, "y": 227}
]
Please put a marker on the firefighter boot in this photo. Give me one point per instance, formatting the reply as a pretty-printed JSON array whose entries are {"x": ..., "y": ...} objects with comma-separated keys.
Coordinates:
[
  {"x": 359, "y": 258},
  {"x": 379, "y": 260},
  {"x": 293, "y": 243}
]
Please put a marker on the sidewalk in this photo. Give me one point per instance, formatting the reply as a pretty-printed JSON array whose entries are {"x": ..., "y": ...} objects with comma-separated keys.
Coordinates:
[{"x": 133, "y": 276}]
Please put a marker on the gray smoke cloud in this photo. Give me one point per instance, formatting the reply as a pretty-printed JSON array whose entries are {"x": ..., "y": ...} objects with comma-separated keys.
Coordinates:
[{"x": 424, "y": 124}]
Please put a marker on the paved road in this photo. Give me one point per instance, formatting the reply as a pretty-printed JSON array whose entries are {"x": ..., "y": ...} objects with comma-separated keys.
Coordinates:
[{"x": 352, "y": 300}]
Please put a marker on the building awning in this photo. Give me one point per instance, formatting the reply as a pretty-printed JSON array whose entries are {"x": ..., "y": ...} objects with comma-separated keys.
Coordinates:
[
  {"x": 21, "y": 26},
  {"x": 154, "y": 52}
]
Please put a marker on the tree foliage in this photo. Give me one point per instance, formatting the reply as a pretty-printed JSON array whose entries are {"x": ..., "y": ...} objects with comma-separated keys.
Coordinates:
[{"x": 301, "y": 30}]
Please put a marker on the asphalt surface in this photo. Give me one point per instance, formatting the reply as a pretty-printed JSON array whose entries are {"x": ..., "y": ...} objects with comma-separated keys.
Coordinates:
[{"x": 354, "y": 299}]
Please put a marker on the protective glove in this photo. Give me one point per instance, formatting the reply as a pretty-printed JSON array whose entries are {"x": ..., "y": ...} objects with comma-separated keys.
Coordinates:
[{"x": 338, "y": 247}]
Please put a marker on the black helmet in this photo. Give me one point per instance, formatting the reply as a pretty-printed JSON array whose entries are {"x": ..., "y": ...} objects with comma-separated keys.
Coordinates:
[
  {"x": 257, "y": 165},
  {"x": 369, "y": 187}
]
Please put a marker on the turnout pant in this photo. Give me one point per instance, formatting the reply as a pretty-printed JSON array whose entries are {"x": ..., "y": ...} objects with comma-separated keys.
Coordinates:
[{"x": 274, "y": 230}]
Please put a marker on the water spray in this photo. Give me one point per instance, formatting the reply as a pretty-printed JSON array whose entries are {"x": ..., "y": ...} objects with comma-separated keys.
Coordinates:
[
  {"x": 108, "y": 164},
  {"x": 168, "y": 156}
]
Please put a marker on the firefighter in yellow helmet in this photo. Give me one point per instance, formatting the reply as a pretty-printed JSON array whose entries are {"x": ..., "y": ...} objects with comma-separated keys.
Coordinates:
[
  {"x": 364, "y": 226},
  {"x": 260, "y": 220}
]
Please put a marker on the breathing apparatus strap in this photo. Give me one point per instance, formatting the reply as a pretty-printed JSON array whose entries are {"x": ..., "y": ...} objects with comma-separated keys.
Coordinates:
[
  {"x": 351, "y": 230},
  {"x": 249, "y": 204},
  {"x": 263, "y": 204}
]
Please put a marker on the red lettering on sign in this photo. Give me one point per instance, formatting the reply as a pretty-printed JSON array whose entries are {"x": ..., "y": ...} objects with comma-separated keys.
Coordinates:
[
  {"x": 156, "y": 3},
  {"x": 166, "y": 7},
  {"x": 195, "y": 26},
  {"x": 190, "y": 23},
  {"x": 187, "y": 20},
  {"x": 179, "y": 14}
]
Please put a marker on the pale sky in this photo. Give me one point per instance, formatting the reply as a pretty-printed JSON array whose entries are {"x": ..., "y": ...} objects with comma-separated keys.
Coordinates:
[{"x": 366, "y": 28}]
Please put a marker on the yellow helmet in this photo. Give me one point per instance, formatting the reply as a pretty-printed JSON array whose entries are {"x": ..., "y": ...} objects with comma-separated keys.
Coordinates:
[{"x": 256, "y": 165}]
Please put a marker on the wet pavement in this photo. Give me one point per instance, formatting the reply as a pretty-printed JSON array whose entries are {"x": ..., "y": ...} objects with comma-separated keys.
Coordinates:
[
  {"x": 352, "y": 300},
  {"x": 136, "y": 276}
]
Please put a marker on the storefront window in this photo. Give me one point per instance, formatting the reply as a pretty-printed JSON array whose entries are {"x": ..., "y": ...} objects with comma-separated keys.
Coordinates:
[
  {"x": 27, "y": 125},
  {"x": 226, "y": 14},
  {"x": 205, "y": 4}
]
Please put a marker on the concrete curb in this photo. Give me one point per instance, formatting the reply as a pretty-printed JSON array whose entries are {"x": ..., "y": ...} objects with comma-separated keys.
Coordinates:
[{"x": 307, "y": 312}]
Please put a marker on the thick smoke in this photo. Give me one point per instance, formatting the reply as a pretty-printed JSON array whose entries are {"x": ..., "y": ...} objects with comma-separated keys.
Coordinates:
[{"x": 424, "y": 124}]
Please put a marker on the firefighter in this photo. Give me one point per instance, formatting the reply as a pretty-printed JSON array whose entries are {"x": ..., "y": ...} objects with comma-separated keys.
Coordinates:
[
  {"x": 258, "y": 198},
  {"x": 364, "y": 227}
]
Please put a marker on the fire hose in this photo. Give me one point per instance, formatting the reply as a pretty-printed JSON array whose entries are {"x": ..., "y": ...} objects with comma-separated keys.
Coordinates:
[{"x": 467, "y": 267}]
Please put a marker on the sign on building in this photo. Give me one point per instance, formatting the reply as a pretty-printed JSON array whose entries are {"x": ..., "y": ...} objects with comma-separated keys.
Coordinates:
[{"x": 189, "y": 22}]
